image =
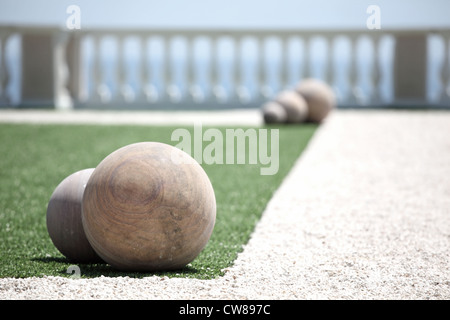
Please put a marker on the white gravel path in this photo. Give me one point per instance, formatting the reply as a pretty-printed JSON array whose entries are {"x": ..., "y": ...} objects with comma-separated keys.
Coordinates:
[{"x": 364, "y": 214}]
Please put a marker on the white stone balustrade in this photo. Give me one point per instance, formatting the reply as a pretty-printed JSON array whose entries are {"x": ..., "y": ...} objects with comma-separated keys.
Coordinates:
[{"x": 236, "y": 68}]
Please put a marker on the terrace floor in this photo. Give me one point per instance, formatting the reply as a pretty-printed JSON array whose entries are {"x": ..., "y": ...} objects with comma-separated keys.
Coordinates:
[{"x": 363, "y": 214}]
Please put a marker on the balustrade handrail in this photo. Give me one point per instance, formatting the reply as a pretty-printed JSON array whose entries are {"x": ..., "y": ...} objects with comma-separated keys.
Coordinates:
[{"x": 214, "y": 31}]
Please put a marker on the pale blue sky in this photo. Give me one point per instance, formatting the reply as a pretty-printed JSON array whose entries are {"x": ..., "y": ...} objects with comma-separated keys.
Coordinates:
[{"x": 229, "y": 13}]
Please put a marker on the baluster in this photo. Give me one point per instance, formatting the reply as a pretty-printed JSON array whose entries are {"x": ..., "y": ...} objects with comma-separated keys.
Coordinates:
[
  {"x": 263, "y": 78},
  {"x": 4, "y": 72},
  {"x": 331, "y": 75},
  {"x": 150, "y": 89},
  {"x": 167, "y": 62},
  {"x": 126, "y": 91},
  {"x": 120, "y": 70},
  {"x": 190, "y": 68},
  {"x": 212, "y": 69},
  {"x": 376, "y": 68},
  {"x": 173, "y": 92},
  {"x": 329, "y": 68},
  {"x": 218, "y": 90},
  {"x": 445, "y": 73},
  {"x": 238, "y": 71},
  {"x": 306, "y": 69},
  {"x": 195, "y": 91},
  {"x": 97, "y": 70},
  {"x": 285, "y": 65},
  {"x": 62, "y": 96},
  {"x": 213, "y": 72},
  {"x": 143, "y": 68},
  {"x": 355, "y": 92},
  {"x": 102, "y": 92}
]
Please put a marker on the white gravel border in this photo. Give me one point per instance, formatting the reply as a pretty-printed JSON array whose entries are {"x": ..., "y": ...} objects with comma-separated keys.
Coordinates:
[
  {"x": 364, "y": 214},
  {"x": 231, "y": 117}
]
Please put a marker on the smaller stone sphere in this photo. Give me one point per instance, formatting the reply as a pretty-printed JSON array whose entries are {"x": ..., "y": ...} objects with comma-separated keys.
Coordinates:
[
  {"x": 273, "y": 112},
  {"x": 319, "y": 97},
  {"x": 294, "y": 104},
  {"x": 64, "y": 223}
]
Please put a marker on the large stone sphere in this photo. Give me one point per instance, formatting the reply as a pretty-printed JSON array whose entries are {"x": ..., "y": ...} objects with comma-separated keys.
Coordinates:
[{"x": 148, "y": 206}]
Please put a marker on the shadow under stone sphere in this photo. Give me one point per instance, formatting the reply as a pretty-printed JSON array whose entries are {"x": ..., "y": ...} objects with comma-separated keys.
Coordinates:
[
  {"x": 64, "y": 223},
  {"x": 319, "y": 96},
  {"x": 148, "y": 206}
]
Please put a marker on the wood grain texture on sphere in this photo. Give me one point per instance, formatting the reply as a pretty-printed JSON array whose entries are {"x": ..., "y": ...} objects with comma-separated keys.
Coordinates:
[
  {"x": 149, "y": 206},
  {"x": 319, "y": 96},
  {"x": 64, "y": 223},
  {"x": 294, "y": 104}
]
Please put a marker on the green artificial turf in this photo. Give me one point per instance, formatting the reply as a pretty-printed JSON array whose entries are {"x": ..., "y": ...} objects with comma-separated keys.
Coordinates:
[{"x": 34, "y": 159}]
